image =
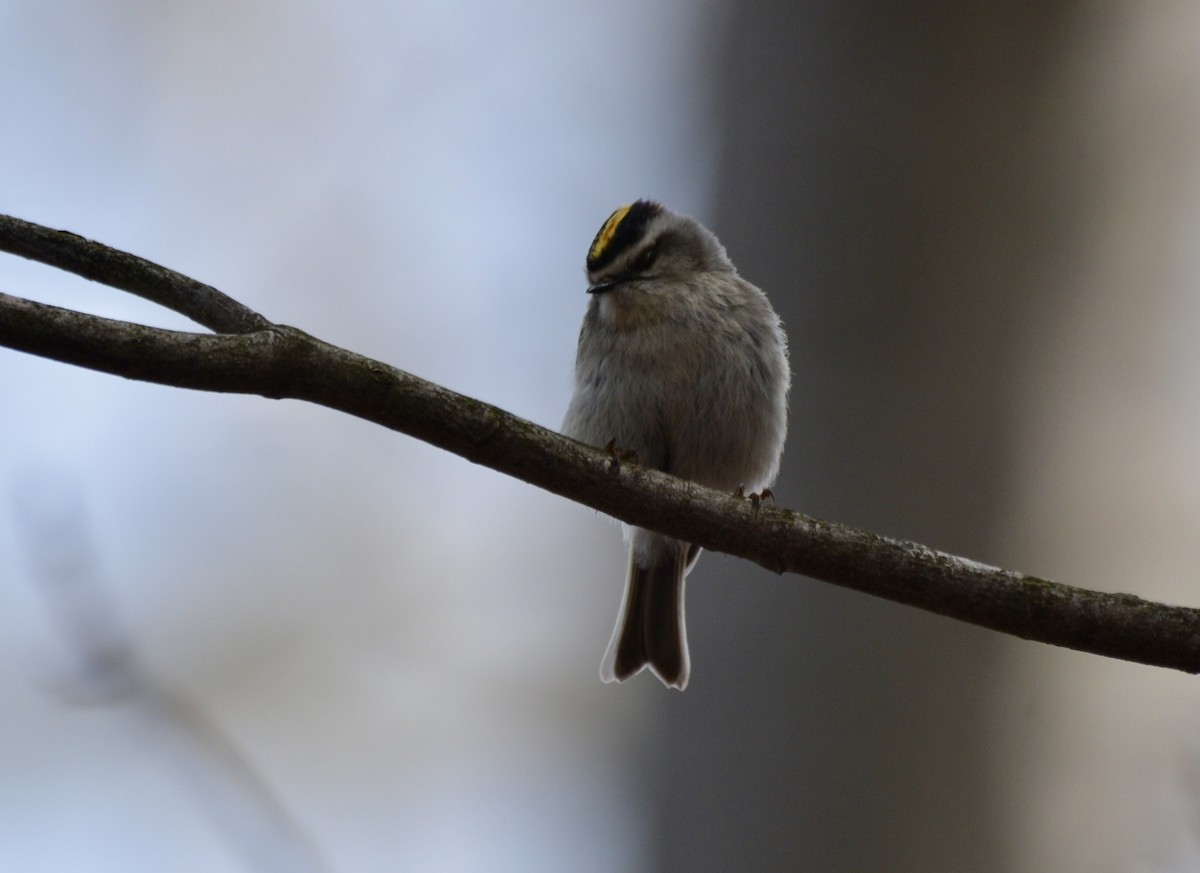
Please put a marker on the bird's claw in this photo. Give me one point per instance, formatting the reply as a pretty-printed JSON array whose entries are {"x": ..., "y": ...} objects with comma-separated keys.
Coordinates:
[
  {"x": 616, "y": 456},
  {"x": 756, "y": 498}
]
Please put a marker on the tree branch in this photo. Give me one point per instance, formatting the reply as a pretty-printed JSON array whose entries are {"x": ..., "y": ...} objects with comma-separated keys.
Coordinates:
[
  {"x": 250, "y": 355},
  {"x": 201, "y": 303}
]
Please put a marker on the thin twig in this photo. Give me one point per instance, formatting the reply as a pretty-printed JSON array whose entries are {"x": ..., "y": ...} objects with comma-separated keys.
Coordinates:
[
  {"x": 283, "y": 362},
  {"x": 201, "y": 303}
]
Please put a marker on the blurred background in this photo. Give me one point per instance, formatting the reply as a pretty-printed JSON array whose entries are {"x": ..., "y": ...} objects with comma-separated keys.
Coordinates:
[{"x": 245, "y": 634}]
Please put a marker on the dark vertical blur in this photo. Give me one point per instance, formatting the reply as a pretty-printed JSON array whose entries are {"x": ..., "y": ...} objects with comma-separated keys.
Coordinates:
[{"x": 879, "y": 178}]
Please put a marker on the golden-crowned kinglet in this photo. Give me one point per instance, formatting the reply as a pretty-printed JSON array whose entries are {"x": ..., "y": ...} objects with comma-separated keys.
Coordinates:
[{"x": 682, "y": 363}]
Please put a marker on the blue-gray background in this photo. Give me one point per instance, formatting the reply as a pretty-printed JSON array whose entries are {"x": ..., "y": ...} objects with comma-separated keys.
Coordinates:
[{"x": 980, "y": 229}]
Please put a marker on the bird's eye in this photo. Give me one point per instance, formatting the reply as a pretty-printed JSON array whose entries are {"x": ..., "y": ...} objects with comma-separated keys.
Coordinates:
[{"x": 646, "y": 258}]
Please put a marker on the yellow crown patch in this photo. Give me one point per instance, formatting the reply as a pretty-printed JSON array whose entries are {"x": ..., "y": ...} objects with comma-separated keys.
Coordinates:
[{"x": 605, "y": 234}]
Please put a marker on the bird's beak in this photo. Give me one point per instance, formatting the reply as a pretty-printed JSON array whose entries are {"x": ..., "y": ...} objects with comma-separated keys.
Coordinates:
[{"x": 601, "y": 287}]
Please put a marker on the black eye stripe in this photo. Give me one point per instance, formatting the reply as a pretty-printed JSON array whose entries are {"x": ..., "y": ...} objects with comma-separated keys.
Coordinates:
[{"x": 646, "y": 258}]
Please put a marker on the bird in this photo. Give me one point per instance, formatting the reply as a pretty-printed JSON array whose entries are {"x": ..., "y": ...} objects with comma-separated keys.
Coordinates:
[{"x": 681, "y": 365}]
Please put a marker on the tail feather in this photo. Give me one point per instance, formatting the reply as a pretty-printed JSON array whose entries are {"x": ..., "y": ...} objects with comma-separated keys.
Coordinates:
[{"x": 650, "y": 630}]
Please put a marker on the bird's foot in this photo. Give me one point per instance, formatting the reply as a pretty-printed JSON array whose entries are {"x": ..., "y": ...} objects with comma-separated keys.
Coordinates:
[
  {"x": 757, "y": 497},
  {"x": 616, "y": 456}
]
